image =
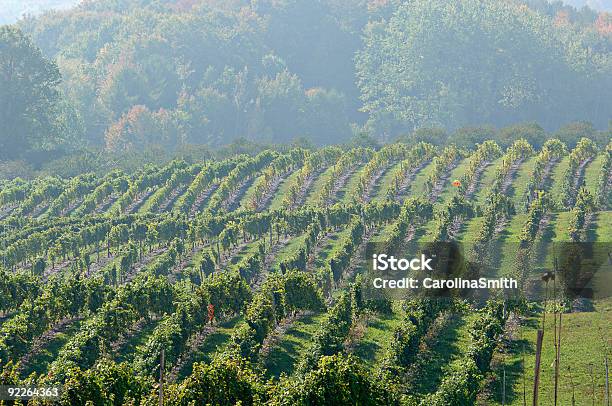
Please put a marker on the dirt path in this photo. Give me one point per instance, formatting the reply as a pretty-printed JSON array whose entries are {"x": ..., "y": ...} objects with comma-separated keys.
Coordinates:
[
  {"x": 199, "y": 202},
  {"x": 233, "y": 200},
  {"x": 276, "y": 336},
  {"x": 139, "y": 199},
  {"x": 301, "y": 197},
  {"x": 193, "y": 343},
  {"x": 510, "y": 175},
  {"x": 72, "y": 206},
  {"x": 437, "y": 189},
  {"x": 6, "y": 210},
  {"x": 408, "y": 178},
  {"x": 471, "y": 189},
  {"x": 105, "y": 204},
  {"x": 578, "y": 181},
  {"x": 372, "y": 183},
  {"x": 42, "y": 341},
  {"x": 272, "y": 188},
  {"x": 339, "y": 184},
  {"x": 171, "y": 199}
]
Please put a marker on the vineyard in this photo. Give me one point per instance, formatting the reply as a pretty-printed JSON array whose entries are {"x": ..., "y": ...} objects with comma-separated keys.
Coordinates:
[{"x": 238, "y": 280}]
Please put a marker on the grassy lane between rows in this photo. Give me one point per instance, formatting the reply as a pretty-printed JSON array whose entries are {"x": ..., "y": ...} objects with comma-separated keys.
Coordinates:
[{"x": 577, "y": 359}]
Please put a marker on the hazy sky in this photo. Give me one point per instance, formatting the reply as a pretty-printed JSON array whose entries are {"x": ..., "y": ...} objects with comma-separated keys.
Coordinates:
[
  {"x": 604, "y": 5},
  {"x": 12, "y": 10}
]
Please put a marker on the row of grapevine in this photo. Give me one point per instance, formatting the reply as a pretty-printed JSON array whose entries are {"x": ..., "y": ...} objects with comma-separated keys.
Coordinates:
[
  {"x": 419, "y": 314},
  {"x": 484, "y": 154},
  {"x": 584, "y": 206},
  {"x": 280, "y": 296},
  {"x": 371, "y": 172},
  {"x": 416, "y": 157},
  {"x": 162, "y": 197},
  {"x": 113, "y": 184},
  {"x": 580, "y": 156},
  {"x": 142, "y": 186},
  {"x": 442, "y": 165},
  {"x": 604, "y": 182},
  {"x": 271, "y": 177},
  {"x": 237, "y": 178},
  {"x": 45, "y": 191},
  {"x": 538, "y": 210},
  {"x": 514, "y": 156},
  {"x": 414, "y": 212},
  {"x": 347, "y": 163},
  {"x": 57, "y": 300},
  {"x": 204, "y": 180},
  {"x": 552, "y": 151},
  {"x": 72, "y": 194},
  {"x": 226, "y": 291},
  {"x": 449, "y": 219},
  {"x": 461, "y": 385},
  {"x": 314, "y": 163}
]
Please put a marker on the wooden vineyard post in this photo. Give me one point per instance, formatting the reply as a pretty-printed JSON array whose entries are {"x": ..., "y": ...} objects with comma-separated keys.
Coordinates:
[
  {"x": 607, "y": 384},
  {"x": 536, "y": 374},
  {"x": 592, "y": 384},
  {"x": 558, "y": 359},
  {"x": 504, "y": 389},
  {"x": 161, "y": 377},
  {"x": 571, "y": 377}
]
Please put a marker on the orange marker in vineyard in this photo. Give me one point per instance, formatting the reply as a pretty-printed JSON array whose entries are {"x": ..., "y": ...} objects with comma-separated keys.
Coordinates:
[
  {"x": 456, "y": 183},
  {"x": 211, "y": 313}
]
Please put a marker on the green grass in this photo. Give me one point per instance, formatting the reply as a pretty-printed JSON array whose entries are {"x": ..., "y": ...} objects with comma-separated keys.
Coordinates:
[
  {"x": 448, "y": 345},
  {"x": 592, "y": 172},
  {"x": 245, "y": 200},
  {"x": 583, "y": 340},
  {"x": 418, "y": 185},
  {"x": 50, "y": 351},
  {"x": 377, "y": 336},
  {"x": 557, "y": 179},
  {"x": 288, "y": 250},
  {"x": 486, "y": 181},
  {"x": 471, "y": 230},
  {"x": 283, "y": 357},
  {"x": 385, "y": 183},
  {"x": 448, "y": 190},
  {"x": 331, "y": 244},
  {"x": 315, "y": 191},
  {"x": 145, "y": 207},
  {"x": 132, "y": 346},
  {"x": 279, "y": 196},
  {"x": 559, "y": 230},
  {"x": 212, "y": 343},
  {"x": 347, "y": 192},
  {"x": 601, "y": 230},
  {"x": 519, "y": 185}
]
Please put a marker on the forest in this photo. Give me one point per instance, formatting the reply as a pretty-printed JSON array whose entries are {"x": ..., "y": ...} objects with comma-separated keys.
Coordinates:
[
  {"x": 114, "y": 78},
  {"x": 190, "y": 190}
]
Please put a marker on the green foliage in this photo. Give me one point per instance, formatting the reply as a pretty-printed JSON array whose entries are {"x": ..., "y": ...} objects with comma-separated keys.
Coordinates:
[
  {"x": 452, "y": 64},
  {"x": 29, "y": 97},
  {"x": 336, "y": 380},
  {"x": 225, "y": 381}
]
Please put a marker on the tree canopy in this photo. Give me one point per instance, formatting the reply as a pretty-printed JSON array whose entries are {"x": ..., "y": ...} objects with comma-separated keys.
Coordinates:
[
  {"x": 459, "y": 63},
  {"x": 167, "y": 75}
]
